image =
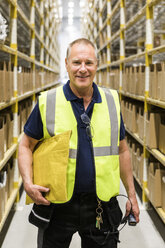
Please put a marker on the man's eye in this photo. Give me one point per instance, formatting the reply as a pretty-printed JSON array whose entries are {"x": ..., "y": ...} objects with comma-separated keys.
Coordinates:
[
  {"x": 89, "y": 63},
  {"x": 76, "y": 62}
]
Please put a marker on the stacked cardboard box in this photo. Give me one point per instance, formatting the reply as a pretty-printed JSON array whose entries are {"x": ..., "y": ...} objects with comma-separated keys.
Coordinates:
[
  {"x": 133, "y": 117},
  {"x": 114, "y": 79},
  {"x": 152, "y": 130},
  {"x": 25, "y": 81},
  {"x": 154, "y": 183},
  {"x": 134, "y": 80},
  {"x": 24, "y": 110},
  {"x": 157, "y": 74},
  {"x": 163, "y": 192},
  {"x": 1, "y": 138},
  {"x": 38, "y": 79},
  {"x": 104, "y": 78},
  {"x": 6, "y": 132},
  {"x": 162, "y": 134},
  {"x": 3, "y": 183},
  {"x": 6, "y": 185},
  {"x": 137, "y": 160},
  {"x": 6, "y": 83}
]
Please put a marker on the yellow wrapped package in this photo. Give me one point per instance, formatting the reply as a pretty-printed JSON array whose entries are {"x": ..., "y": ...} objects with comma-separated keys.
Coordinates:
[{"x": 50, "y": 160}]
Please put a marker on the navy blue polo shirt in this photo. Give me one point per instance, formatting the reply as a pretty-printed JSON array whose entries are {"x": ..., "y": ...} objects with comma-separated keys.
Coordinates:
[{"x": 85, "y": 170}]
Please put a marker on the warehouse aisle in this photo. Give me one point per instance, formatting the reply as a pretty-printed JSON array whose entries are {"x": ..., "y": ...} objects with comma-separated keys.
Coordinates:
[{"x": 22, "y": 234}]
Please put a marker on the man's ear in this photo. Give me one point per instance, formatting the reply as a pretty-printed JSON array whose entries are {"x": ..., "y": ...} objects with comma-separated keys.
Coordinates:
[{"x": 66, "y": 64}]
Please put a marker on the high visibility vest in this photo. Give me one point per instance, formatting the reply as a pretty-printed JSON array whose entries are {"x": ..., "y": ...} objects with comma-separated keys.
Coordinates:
[{"x": 57, "y": 117}]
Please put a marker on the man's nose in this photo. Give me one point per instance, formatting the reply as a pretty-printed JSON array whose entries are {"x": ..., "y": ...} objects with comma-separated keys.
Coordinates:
[{"x": 83, "y": 67}]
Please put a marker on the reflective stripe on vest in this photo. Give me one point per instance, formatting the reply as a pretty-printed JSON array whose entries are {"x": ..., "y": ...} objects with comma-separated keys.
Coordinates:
[{"x": 98, "y": 151}]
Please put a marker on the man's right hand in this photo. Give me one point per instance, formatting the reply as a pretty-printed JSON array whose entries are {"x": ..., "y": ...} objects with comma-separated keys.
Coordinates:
[{"x": 35, "y": 192}]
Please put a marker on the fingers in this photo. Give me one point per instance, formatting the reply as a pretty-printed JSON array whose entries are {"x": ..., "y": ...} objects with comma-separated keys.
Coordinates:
[
  {"x": 135, "y": 209},
  {"x": 36, "y": 193}
]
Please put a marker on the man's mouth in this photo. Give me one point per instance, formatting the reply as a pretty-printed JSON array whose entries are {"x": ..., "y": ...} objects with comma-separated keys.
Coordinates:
[{"x": 82, "y": 76}]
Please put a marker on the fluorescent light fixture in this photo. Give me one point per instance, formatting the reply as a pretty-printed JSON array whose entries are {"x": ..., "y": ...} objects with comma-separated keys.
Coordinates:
[
  {"x": 60, "y": 12},
  {"x": 70, "y": 16},
  {"x": 56, "y": 16},
  {"x": 54, "y": 10},
  {"x": 70, "y": 21},
  {"x": 90, "y": 5},
  {"x": 71, "y": 4},
  {"x": 82, "y": 4},
  {"x": 70, "y": 11}
]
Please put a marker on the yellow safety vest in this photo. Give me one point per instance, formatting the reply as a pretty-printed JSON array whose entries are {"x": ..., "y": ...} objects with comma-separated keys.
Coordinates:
[{"x": 57, "y": 117}]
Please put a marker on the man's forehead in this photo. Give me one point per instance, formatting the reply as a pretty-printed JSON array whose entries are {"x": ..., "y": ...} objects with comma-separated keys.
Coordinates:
[{"x": 80, "y": 58}]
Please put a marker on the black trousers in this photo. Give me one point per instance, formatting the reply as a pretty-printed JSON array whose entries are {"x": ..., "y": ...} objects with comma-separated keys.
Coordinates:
[{"x": 79, "y": 215}]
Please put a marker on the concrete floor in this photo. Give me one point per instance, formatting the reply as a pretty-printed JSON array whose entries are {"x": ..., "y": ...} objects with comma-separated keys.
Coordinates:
[{"x": 21, "y": 234}]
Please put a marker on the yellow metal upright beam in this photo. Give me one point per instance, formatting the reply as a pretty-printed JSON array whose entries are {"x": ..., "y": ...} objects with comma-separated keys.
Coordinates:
[
  {"x": 148, "y": 61},
  {"x": 122, "y": 41},
  {"x": 13, "y": 44},
  {"x": 109, "y": 12},
  {"x": 32, "y": 47}
]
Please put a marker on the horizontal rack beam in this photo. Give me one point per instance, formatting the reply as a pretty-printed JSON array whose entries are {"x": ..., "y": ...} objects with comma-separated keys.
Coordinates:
[
  {"x": 135, "y": 136},
  {"x": 8, "y": 154},
  {"x": 157, "y": 154},
  {"x": 160, "y": 211},
  {"x": 10, "y": 203},
  {"x": 12, "y": 51},
  {"x": 26, "y": 95},
  {"x": 140, "y": 98},
  {"x": 155, "y": 102}
]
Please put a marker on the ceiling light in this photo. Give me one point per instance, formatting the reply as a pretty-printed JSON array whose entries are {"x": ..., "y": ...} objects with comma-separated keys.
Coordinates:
[
  {"x": 70, "y": 11},
  {"x": 56, "y": 16},
  {"x": 71, "y": 4},
  {"x": 70, "y": 16},
  {"x": 70, "y": 21},
  {"x": 82, "y": 3}
]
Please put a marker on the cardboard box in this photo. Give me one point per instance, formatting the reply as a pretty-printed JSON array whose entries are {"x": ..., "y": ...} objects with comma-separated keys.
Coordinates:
[
  {"x": 1, "y": 138},
  {"x": 1, "y": 86},
  {"x": 10, "y": 123},
  {"x": 161, "y": 87},
  {"x": 152, "y": 130},
  {"x": 20, "y": 83},
  {"x": 162, "y": 135},
  {"x": 10, "y": 171},
  {"x": 133, "y": 120},
  {"x": 154, "y": 184},
  {"x": 139, "y": 163},
  {"x": 163, "y": 193},
  {"x": 140, "y": 121},
  {"x": 2, "y": 194},
  {"x": 141, "y": 80}
]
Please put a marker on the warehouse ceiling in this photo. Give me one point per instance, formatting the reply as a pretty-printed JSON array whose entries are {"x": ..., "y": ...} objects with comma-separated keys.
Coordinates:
[{"x": 76, "y": 8}]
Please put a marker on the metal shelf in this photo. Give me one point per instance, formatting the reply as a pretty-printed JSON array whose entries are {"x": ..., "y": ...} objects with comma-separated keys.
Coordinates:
[
  {"x": 157, "y": 154},
  {"x": 135, "y": 136},
  {"x": 155, "y": 102},
  {"x": 139, "y": 98},
  {"x": 160, "y": 211},
  {"x": 8, "y": 155},
  {"x": 127, "y": 35},
  {"x": 10, "y": 203}
]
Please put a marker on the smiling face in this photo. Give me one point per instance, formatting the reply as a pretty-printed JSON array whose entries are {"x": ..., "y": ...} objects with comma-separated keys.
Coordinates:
[{"x": 81, "y": 66}]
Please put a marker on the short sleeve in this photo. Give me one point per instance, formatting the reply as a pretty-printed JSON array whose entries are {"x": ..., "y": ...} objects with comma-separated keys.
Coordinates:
[
  {"x": 122, "y": 128},
  {"x": 34, "y": 126}
]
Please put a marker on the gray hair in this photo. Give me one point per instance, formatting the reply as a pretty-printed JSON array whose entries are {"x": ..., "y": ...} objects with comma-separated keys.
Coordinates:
[{"x": 78, "y": 41}]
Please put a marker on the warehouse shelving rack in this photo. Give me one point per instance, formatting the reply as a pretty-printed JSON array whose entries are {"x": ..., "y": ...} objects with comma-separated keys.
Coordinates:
[
  {"x": 127, "y": 25},
  {"x": 39, "y": 26}
]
